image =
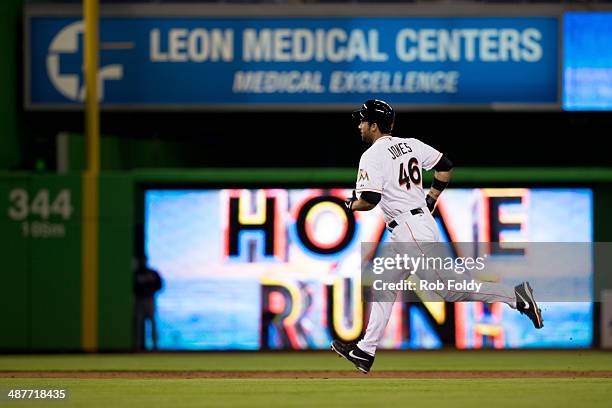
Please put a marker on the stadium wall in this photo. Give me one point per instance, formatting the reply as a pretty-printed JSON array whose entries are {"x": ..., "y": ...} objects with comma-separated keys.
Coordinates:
[
  {"x": 41, "y": 291},
  {"x": 40, "y": 300}
]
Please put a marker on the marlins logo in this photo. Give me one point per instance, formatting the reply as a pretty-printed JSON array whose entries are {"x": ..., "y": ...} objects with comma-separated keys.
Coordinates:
[{"x": 363, "y": 176}]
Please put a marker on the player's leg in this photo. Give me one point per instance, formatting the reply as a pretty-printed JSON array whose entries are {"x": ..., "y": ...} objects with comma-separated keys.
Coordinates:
[
  {"x": 403, "y": 238},
  {"x": 362, "y": 353},
  {"x": 380, "y": 312},
  {"x": 490, "y": 292},
  {"x": 487, "y": 292},
  {"x": 520, "y": 297},
  {"x": 151, "y": 315},
  {"x": 139, "y": 324}
]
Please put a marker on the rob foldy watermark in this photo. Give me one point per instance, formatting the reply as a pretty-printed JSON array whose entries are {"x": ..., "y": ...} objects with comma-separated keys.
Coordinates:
[{"x": 559, "y": 271}]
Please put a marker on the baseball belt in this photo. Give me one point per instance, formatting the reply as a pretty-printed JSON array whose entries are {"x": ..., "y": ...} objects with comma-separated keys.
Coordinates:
[{"x": 394, "y": 224}]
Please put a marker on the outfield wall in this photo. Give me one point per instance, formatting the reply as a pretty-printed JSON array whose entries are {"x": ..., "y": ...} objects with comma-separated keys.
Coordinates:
[
  {"x": 41, "y": 290},
  {"x": 41, "y": 224}
]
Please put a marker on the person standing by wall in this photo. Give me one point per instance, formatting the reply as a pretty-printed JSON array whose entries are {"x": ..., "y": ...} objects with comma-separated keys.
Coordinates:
[{"x": 147, "y": 282}]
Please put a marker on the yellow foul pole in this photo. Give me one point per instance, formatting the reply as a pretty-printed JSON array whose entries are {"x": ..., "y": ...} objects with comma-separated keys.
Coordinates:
[{"x": 89, "y": 256}]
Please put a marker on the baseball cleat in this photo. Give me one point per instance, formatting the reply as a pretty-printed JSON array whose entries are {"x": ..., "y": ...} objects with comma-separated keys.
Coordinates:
[
  {"x": 526, "y": 304},
  {"x": 362, "y": 360}
]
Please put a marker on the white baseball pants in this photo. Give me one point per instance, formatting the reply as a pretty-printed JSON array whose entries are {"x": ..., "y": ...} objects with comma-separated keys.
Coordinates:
[{"x": 416, "y": 229}]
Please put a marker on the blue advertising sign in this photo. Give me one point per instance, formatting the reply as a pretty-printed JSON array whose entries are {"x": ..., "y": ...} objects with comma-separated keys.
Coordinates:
[
  {"x": 159, "y": 62},
  {"x": 587, "y": 61}
]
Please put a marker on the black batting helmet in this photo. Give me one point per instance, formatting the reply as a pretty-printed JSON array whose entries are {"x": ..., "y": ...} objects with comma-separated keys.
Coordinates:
[{"x": 376, "y": 111}]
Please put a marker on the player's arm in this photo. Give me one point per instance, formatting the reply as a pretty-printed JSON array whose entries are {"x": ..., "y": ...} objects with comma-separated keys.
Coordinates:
[
  {"x": 367, "y": 201},
  {"x": 369, "y": 182},
  {"x": 443, "y": 171}
]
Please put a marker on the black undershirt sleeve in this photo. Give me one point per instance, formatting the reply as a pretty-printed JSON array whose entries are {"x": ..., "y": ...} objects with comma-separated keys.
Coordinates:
[
  {"x": 371, "y": 197},
  {"x": 443, "y": 164}
]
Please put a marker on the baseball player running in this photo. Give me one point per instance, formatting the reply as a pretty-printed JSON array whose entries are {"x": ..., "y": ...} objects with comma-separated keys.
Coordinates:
[{"x": 390, "y": 174}]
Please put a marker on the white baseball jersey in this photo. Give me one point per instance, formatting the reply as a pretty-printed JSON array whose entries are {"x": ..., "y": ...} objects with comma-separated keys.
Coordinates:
[{"x": 393, "y": 167}]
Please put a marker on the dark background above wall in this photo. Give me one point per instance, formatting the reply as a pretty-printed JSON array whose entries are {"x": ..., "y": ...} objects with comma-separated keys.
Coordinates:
[{"x": 313, "y": 139}]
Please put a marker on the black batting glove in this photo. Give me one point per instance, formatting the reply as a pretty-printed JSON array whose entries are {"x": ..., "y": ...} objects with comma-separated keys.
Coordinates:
[
  {"x": 431, "y": 203},
  {"x": 349, "y": 201}
]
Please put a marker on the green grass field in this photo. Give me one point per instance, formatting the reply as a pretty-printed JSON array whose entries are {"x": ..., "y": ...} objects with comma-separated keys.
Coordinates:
[
  {"x": 519, "y": 389},
  {"x": 577, "y": 360}
]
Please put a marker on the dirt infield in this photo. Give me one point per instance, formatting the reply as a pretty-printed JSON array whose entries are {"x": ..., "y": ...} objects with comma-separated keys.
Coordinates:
[{"x": 303, "y": 374}]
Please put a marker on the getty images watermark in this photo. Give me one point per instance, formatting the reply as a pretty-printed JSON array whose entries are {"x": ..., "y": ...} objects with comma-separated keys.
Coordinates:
[
  {"x": 558, "y": 271},
  {"x": 401, "y": 266}
]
